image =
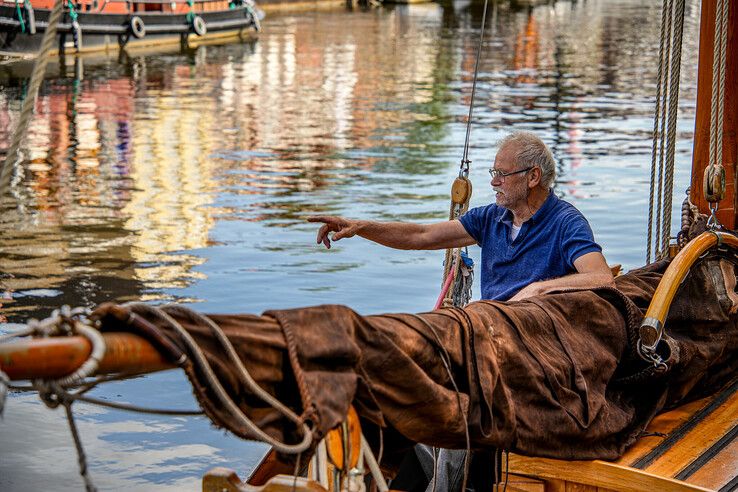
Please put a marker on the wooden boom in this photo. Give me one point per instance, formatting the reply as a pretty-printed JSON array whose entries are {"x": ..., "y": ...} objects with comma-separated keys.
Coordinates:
[{"x": 56, "y": 357}]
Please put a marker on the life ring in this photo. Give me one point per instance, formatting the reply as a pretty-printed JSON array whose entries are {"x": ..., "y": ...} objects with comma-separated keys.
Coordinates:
[
  {"x": 198, "y": 25},
  {"x": 137, "y": 26}
]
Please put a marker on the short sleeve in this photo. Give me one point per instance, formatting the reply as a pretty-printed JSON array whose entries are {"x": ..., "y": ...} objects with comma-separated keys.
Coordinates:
[
  {"x": 577, "y": 239},
  {"x": 475, "y": 223}
]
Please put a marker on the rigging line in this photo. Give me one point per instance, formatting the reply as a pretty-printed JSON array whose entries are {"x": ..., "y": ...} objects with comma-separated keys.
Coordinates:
[
  {"x": 656, "y": 120},
  {"x": 675, "y": 71},
  {"x": 716, "y": 45},
  {"x": 464, "y": 170},
  {"x": 29, "y": 103},
  {"x": 721, "y": 82},
  {"x": 662, "y": 131}
]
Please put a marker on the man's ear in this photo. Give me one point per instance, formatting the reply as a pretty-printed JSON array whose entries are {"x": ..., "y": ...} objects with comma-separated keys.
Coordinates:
[{"x": 534, "y": 177}]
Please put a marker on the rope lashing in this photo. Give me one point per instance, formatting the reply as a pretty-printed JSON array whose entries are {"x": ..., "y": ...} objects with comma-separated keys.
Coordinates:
[
  {"x": 664, "y": 129},
  {"x": 461, "y": 191},
  {"x": 713, "y": 184},
  {"x": 66, "y": 321},
  {"x": 37, "y": 76}
]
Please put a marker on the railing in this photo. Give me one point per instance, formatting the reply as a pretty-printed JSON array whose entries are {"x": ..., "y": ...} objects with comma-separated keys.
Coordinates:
[{"x": 97, "y": 7}]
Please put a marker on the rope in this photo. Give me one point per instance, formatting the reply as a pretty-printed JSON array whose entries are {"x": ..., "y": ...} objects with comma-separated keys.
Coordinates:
[
  {"x": 675, "y": 71},
  {"x": 664, "y": 129},
  {"x": 220, "y": 392},
  {"x": 717, "y": 101},
  {"x": 464, "y": 170},
  {"x": 29, "y": 102},
  {"x": 452, "y": 292},
  {"x": 81, "y": 457},
  {"x": 721, "y": 86},
  {"x": 373, "y": 466}
]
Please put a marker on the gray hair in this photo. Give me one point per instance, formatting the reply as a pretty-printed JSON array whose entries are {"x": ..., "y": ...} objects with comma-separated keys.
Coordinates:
[{"x": 531, "y": 151}]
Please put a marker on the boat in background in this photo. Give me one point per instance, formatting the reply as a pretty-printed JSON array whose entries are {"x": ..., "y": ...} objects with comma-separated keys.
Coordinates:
[{"x": 108, "y": 25}]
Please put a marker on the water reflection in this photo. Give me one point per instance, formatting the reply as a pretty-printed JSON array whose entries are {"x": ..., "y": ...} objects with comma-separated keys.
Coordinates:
[{"x": 187, "y": 177}]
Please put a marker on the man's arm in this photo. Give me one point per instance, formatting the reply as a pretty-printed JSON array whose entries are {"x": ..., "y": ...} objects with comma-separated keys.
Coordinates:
[
  {"x": 592, "y": 272},
  {"x": 398, "y": 235}
]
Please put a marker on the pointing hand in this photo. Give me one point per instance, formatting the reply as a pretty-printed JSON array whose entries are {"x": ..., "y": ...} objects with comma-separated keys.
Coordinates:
[{"x": 341, "y": 227}]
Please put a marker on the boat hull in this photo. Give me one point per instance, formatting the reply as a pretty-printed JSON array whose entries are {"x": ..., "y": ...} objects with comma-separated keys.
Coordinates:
[{"x": 108, "y": 31}]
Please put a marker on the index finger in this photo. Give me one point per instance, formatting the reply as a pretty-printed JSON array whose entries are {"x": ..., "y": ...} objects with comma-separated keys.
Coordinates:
[{"x": 320, "y": 218}]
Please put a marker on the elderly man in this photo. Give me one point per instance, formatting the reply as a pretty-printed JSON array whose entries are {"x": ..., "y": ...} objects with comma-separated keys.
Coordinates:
[{"x": 532, "y": 242}]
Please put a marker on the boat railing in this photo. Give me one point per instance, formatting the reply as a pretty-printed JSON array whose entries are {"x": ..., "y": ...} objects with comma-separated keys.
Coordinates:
[{"x": 98, "y": 6}]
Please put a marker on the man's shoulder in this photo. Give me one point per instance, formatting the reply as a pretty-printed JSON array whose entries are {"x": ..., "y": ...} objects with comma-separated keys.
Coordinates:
[
  {"x": 566, "y": 212},
  {"x": 489, "y": 211}
]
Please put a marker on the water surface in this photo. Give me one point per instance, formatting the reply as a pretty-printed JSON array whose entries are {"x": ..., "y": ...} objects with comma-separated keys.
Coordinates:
[{"x": 186, "y": 177}]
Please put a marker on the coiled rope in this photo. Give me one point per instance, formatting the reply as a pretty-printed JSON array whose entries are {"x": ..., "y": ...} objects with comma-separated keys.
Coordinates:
[{"x": 664, "y": 128}]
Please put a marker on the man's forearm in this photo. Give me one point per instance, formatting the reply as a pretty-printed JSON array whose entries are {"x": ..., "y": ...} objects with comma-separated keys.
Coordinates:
[
  {"x": 573, "y": 281},
  {"x": 576, "y": 281},
  {"x": 398, "y": 235}
]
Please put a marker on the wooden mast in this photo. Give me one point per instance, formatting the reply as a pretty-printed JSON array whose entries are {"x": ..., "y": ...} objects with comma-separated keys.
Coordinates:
[{"x": 728, "y": 207}]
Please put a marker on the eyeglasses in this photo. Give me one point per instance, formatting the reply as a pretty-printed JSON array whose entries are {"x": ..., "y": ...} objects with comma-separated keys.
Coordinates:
[{"x": 499, "y": 174}]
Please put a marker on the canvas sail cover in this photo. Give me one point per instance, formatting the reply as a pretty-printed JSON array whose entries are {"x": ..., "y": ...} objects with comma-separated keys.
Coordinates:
[{"x": 556, "y": 375}]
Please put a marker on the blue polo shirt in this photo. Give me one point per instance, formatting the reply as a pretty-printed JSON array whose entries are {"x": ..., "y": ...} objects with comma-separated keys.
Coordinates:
[{"x": 546, "y": 246}]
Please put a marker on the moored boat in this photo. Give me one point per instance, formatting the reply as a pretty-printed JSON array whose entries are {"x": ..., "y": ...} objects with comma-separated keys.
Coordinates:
[{"x": 94, "y": 25}]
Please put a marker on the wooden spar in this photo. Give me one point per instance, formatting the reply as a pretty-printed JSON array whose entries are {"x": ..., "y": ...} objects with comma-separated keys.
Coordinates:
[
  {"x": 56, "y": 357},
  {"x": 728, "y": 207}
]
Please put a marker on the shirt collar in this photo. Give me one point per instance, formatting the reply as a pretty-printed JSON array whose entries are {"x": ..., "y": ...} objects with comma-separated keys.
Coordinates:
[{"x": 507, "y": 217}]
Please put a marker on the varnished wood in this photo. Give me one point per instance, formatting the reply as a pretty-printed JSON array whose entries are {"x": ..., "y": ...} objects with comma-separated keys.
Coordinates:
[
  {"x": 340, "y": 443},
  {"x": 597, "y": 474},
  {"x": 678, "y": 270},
  {"x": 519, "y": 483},
  {"x": 269, "y": 466},
  {"x": 700, "y": 157},
  {"x": 59, "y": 356},
  {"x": 695, "y": 442},
  {"x": 659, "y": 428},
  {"x": 718, "y": 471},
  {"x": 226, "y": 480}
]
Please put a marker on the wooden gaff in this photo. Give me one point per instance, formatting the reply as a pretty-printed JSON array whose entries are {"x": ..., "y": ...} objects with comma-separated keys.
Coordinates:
[{"x": 672, "y": 279}]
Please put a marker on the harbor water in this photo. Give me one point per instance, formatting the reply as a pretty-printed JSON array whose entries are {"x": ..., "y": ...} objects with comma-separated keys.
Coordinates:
[{"x": 186, "y": 177}]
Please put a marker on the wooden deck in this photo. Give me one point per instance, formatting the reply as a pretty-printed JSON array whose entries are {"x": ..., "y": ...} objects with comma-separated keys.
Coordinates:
[{"x": 693, "y": 447}]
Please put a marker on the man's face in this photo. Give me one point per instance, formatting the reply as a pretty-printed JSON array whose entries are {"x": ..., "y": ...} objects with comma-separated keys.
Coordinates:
[{"x": 512, "y": 190}]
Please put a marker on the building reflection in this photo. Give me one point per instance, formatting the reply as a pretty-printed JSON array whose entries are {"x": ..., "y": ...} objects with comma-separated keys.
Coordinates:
[{"x": 125, "y": 171}]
